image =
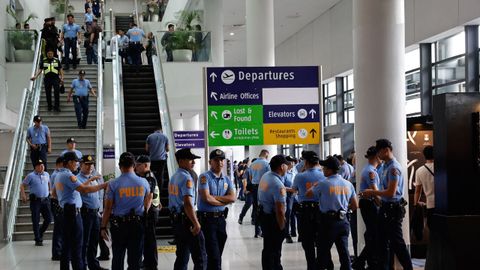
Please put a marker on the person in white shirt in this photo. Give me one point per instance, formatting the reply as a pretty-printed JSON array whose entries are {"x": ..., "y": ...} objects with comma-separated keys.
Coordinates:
[{"x": 424, "y": 181}]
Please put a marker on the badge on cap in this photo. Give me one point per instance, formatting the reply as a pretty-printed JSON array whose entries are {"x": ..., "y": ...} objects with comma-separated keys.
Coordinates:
[
  {"x": 203, "y": 180},
  {"x": 218, "y": 152},
  {"x": 283, "y": 192},
  {"x": 73, "y": 178},
  {"x": 189, "y": 184},
  {"x": 89, "y": 158}
]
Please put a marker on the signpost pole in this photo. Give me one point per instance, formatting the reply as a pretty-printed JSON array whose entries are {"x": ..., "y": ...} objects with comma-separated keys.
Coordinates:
[
  {"x": 205, "y": 116},
  {"x": 322, "y": 119}
]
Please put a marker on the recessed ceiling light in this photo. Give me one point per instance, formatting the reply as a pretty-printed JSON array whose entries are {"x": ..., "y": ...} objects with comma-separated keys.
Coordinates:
[{"x": 232, "y": 34}]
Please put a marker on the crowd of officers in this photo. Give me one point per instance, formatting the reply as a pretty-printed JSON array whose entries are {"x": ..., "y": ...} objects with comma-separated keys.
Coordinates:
[{"x": 325, "y": 201}]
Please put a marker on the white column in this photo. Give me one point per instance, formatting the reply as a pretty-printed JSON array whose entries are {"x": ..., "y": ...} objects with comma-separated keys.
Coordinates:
[
  {"x": 260, "y": 46},
  {"x": 177, "y": 124},
  {"x": 192, "y": 123},
  {"x": 214, "y": 24},
  {"x": 378, "y": 62}
]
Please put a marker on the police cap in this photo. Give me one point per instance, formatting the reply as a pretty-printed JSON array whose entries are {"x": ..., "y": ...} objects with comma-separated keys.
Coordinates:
[
  {"x": 330, "y": 163},
  {"x": 143, "y": 159},
  {"x": 185, "y": 153},
  {"x": 81, "y": 72},
  {"x": 278, "y": 161},
  {"x": 71, "y": 140},
  {"x": 37, "y": 118},
  {"x": 217, "y": 154},
  {"x": 383, "y": 143},
  {"x": 311, "y": 157},
  {"x": 70, "y": 156},
  {"x": 39, "y": 162},
  {"x": 88, "y": 159},
  {"x": 59, "y": 160},
  {"x": 291, "y": 159},
  {"x": 371, "y": 152}
]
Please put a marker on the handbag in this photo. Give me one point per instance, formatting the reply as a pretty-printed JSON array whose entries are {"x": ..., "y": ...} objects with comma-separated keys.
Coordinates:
[{"x": 62, "y": 88}]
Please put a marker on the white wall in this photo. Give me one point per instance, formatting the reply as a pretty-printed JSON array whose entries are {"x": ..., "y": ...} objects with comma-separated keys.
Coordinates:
[
  {"x": 6, "y": 139},
  {"x": 327, "y": 40},
  {"x": 17, "y": 78}
]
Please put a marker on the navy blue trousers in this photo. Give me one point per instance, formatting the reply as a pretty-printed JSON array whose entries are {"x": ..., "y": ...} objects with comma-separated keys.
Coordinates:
[
  {"x": 214, "y": 230},
  {"x": 272, "y": 243},
  {"x": 188, "y": 244},
  {"x": 57, "y": 237},
  {"x": 336, "y": 232},
  {"x": 40, "y": 207},
  {"x": 81, "y": 110},
  {"x": 91, "y": 233},
  {"x": 127, "y": 237},
  {"x": 72, "y": 238}
]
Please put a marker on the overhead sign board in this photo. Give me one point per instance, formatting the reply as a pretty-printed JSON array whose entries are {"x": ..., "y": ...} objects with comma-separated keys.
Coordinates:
[
  {"x": 189, "y": 139},
  {"x": 263, "y": 105}
]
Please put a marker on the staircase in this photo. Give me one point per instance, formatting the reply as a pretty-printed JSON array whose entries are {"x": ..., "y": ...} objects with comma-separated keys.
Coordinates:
[
  {"x": 123, "y": 23},
  {"x": 62, "y": 125},
  {"x": 141, "y": 117}
]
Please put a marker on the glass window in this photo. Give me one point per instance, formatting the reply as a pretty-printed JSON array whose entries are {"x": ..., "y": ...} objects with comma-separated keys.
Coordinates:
[
  {"x": 330, "y": 119},
  {"x": 350, "y": 82},
  {"x": 452, "y": 70},
  {"x": 332, "y": 91},
  {"x": 412, "y": 82},
  {"x": 453, "y": 88},
  {"x": 335, "y": 146},
  {"x": 328, "y": 91},
  {"x": 298, "y": 150},
  {"x": 451, "y": 46},
  {"x": 330, "y": 104},
  {"x": 413, "y": 104},
  {"x": 412, "y": 59},
  {"x": 348, "y": 99},
  {"x": 349, "y": 116},
  {"x": 326, "y": 148}
]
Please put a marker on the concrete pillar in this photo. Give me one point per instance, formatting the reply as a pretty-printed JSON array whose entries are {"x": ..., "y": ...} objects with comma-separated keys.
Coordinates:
[
  {"x": 260, "y": 47},
  {"x": 214, "y": 24},
  {"x": 378, "y": 62}
]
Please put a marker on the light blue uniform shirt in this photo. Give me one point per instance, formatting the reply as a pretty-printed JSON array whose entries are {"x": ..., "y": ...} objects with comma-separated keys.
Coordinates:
[
  {"x": 288, "y": 179},
  {"x": 270, "y": 191},
  {"x": 90, "y": 200},
  {"x": 247, "y": 175},
  {"x": 157, "y": 142},
  {"x": 334, "y": 193},
  {"x": 299, "y": 166},
  {"x": 70, "y": 30},
  {"x": 128, "y": 192},
  {"x": 180, "y": 185},
  {"x": 38, "y": 183},
  {"x": 81, "y": 87},
  {"x": 78, "y": 153},
  {"x": 135, "y": 34},
  {"x": 258, "y": 169},
  {"x": 216, "y": 187},
  {"x": 52, "y": 177},
  {"x": 346, "y": 171},
  {"x": 392, "y": 172},
  {"x": 369, "y": 177},
  {"x": 89, "y": 17},
  {"x": 38, "y": 135},
  {"x": 123, "y": 42},
  {"x": 65, "y": 186},
  {"x": 306, "y": 180}
]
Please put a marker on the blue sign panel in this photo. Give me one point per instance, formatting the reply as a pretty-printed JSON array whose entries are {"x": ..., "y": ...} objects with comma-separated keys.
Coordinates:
[
  {"x": 291, "y": 113},
  {"x": 189, "y": 139}
]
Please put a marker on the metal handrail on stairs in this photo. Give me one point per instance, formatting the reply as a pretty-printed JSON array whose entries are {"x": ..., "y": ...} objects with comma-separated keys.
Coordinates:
[
  {"x": 18, "y": 152},
  {"x": 99, "y": 130}
]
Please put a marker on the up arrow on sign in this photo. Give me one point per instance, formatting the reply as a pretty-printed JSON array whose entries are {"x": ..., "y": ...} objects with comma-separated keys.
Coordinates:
[
  {"x": 313, "y": 112},
  {"x": 312, "y": 132},
  {"x": 213, "y": 76},
  {"x": 213, "y": 134}
]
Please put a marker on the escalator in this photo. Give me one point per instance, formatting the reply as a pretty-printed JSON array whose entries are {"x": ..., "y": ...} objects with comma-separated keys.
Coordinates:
[
  {"x": 123, "y": 22},
  {"x": 142, "y": 115}
]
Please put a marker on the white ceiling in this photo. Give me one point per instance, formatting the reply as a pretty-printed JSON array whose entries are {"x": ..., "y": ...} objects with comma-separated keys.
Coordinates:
[{"x": 290, "y": 17}]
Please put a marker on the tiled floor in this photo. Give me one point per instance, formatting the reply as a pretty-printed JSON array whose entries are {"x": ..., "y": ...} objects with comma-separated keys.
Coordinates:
[{"x": 242, "y": 251}]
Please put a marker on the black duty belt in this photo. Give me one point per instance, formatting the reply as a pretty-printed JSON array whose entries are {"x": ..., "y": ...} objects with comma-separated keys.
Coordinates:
[
  {"x": 211, "y": 214},
  {"x": 308, "y": 205},
  {"x": 134, "y": 42},
  {"x": 337, "y": 215},
  {"x": 89, "y": 210},
  {"x": 124, "y": 219},
  {"x": 69, "y": 207},
  {"x": 400, "y": 203}
]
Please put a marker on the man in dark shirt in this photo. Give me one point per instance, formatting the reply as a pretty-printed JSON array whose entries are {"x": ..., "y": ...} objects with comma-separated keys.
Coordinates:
[
  {"x": 50, "y": 35},
  {"x": 53, "y": 72}
]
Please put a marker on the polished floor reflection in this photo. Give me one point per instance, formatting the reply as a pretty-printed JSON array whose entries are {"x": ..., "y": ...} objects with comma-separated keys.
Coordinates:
[{"x": 242, "y": 251}]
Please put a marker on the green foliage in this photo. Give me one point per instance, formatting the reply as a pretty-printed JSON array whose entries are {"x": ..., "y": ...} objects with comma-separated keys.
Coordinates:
[
  {"x": 182, "y": 40},
  {"x": 186, "y": 19},
  {"x": 60, "y": 6},
  {"x": 21, "y": 39}
]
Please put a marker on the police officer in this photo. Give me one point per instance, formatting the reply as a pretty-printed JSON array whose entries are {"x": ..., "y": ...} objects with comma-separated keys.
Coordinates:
[
  {"x": 272, "y": 198},
  {"x": 71, "y": 147},
  {"x": 336, "y": 196},
  {"x": 90, "y": 208},
  {"x": 39, "y": 140},
  {"x": 258, "y": 169},
  {"x": 181, "y": 197},
  {"x": 53, "y": 77},
  {"x": 68, "y": 189},
  {"x": 215, "y": 191},
  {"x": 80, "y": 90},
  {"x": 128, "y": 197},
  {"x": 308, "y": 210},
  {"x": 248, "y": 192},
  {"x": 70, "y": 37},
  {"x": 392, "y": 210},
  {"x": 288, "y": 182},
  {"x": 135, "y": 45},
  {"x": 157, "y": 147},
  {"x": 150, "y": 254},
  {"x": 38, "y": 182},
  {"x": 369, "y": 179},
  {"x": 57, "y": 214},
  {"x": 50, "y": 35}
]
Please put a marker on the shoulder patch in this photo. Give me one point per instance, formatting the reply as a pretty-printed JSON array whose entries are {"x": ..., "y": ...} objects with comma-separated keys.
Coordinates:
[
  {"x": 371, "y": 175},
  {"x": 73, "y": 178},
  {"x": 225, "y": 186},
  {"x": 394, "y": 171},
  {"x": 189, "y": 183},
  {"x": 203, "y": 179},
  {"x": 283, "y": 191}
]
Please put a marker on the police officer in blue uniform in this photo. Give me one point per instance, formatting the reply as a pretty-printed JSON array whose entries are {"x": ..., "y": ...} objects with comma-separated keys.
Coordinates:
[
  {"x": 392, "y": 210},
  {"x": 336, "y": 196},
  {"x": 128, "y": 197},
  {"x": 215, "y": 191},
  {"x": 272, "y": 198},
  {"x": 308, "y": 209},
  {"x": 157, "y": 147},
  {"x": 90, "y": 208},
  {"x": 189, "y": 237},
  {"x": 150, "y": 253},
  {"x": 57, "y": 214},
  {"x": 38, "y": 182},
  {"x": 369, "y": 179},
  {"x": 39, "y": 140},
  {"x": 135, "y": 45},
  {"x": 70, "y": 36},
  {"x": 258, "y": 169},
  {"x": 288, "y": 182},
  {"x": 68, "y": 189},
  {"x": 248, "y": 192}
]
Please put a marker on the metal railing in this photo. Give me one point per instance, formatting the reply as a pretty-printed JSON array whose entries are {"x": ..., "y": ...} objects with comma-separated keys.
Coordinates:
[
  {"x": 18, "y": 152},
  {"x": 164, "y": 109},
  {"x": 184, "y": 46},
  {"x": 99, "y": 131},
  {"x": 118, "y": 106}
]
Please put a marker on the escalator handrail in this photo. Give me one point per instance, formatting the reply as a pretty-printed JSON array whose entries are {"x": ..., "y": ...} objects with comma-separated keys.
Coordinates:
[{"x": 164, "y": 108}]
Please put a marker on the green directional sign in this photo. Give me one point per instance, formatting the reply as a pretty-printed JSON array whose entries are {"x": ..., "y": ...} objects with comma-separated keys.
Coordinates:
[
  {"x": 232, "y": 114},
  {"x": 223, "y": 135}
]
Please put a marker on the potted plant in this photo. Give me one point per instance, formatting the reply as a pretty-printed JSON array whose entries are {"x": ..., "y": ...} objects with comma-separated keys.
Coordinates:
[
  {"x": 60, "y": 8},
  {"x": 182, "y": 42},
  {"x": 22, "y": 40}
]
